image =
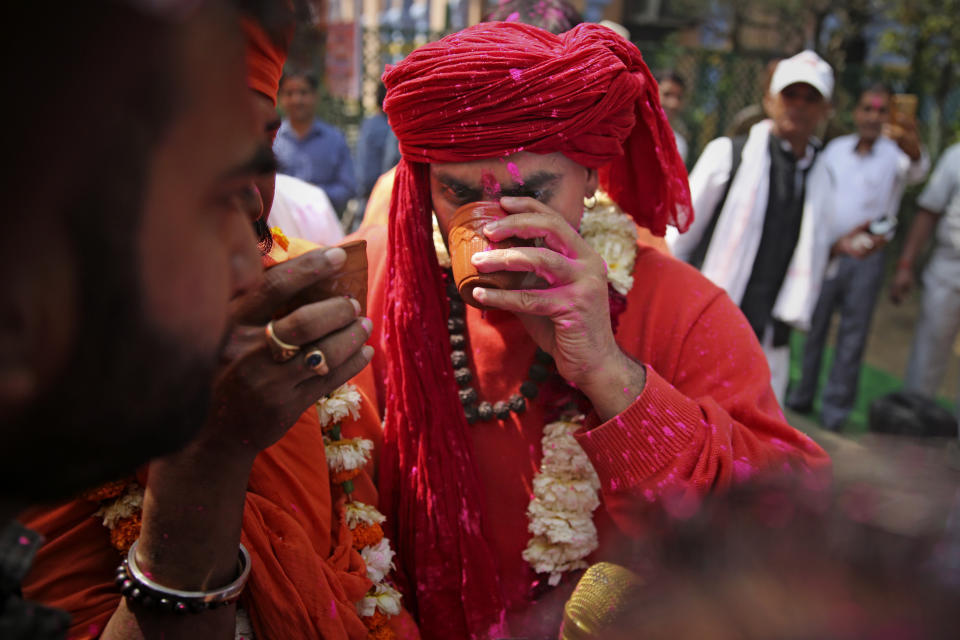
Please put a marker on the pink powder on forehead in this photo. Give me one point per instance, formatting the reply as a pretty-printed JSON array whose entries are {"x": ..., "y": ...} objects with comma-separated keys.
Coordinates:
[
  {"x": 491, "y": 187},
  {"x": 515, "y": 173}
]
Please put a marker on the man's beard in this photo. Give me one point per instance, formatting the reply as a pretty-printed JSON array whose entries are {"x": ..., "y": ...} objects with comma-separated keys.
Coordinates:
[{"x": 85, "y": 429}]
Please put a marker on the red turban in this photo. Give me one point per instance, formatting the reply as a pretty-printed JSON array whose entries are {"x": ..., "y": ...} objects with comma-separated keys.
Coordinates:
[
  {"x": 265, "y": 60},
  {"x": 489, "y": 91}
]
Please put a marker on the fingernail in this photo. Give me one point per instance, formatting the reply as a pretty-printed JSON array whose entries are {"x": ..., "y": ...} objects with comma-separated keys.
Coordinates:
[
  {"x": 336, "y": 257},
  {"x": 490, "y": 226},
  {"x": 367, "y": 351},
  {"x": 509, "y": 200},
  {"x": 356, "y": 306},
  {"x": 367, "y": 324},
  {"x": 480, "y": 293}
]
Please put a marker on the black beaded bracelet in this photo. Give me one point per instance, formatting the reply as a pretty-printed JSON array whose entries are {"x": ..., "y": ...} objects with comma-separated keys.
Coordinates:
[{"x": 136, "y": 586}]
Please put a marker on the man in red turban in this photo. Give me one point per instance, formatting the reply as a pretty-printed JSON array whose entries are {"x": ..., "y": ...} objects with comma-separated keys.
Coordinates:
[{"x": 504, "y": 429}]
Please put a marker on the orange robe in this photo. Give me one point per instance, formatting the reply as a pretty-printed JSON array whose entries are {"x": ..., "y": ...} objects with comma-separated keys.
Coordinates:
[{"x": 306, "y": 578}]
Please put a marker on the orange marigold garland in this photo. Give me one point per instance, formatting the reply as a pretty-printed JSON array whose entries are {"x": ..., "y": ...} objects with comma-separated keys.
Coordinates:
[
  {"x": 367, "y": 536},
  {"x": 125, "y": 533},
  {"x": 120, "y": 504},
  {"x": 346, "y": 458}
]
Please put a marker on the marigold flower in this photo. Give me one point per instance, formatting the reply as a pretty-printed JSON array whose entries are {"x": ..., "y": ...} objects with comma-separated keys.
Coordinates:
[
  {"x": 367, "y": 535},
  {"x": 125, "y": 533},
  {"x": 280, "y": 237},
  {"x": 342, "y": 476},
  {"x": 378, "y": 619},
  {"x": 382, "y": 633}
]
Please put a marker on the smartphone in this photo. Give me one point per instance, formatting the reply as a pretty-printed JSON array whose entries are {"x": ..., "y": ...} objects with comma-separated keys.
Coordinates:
[{"x": 903, "y": 108}]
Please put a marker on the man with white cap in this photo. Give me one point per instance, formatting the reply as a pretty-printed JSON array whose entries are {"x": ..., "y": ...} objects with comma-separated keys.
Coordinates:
[{"x": 759, "y": 202}]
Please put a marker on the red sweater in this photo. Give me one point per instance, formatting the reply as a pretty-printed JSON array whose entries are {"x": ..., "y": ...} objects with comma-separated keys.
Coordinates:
[{"x": 706, "y": 418}]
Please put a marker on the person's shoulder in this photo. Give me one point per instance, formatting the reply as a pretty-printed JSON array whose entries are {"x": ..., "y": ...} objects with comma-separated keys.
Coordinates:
[
  {"x": 951, "y": 155},
  {"x": 658, "y": 275},
  {"x": 299, "y": 191},
  {"x": 284, "y": 131},
  {"x": 840, "y": 142},
  {"x": 717, "y": 155}
]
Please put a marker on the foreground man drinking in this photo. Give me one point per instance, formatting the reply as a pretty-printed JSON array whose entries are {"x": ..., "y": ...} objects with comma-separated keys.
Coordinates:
[{"x": 629, "y": 379}]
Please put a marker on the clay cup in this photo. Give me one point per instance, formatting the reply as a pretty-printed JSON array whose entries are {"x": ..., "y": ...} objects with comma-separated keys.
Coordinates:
[
  {"x": 350, "y": 280},
  {"x": 466, "y": 238}
]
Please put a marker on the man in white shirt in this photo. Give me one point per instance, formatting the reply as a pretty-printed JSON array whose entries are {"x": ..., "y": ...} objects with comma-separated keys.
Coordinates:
[
  {"x": 871, "y": 168},
  {"x": 939, "y": 321},
  {"x": 759, "y": 203}
]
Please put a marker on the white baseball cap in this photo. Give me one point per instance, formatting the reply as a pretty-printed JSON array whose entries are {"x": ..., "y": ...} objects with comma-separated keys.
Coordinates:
[{"x": 806, "y": 67}]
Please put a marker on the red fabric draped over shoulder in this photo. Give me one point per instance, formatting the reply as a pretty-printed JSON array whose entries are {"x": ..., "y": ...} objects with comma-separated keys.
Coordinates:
[{"x": 490, "y": 91}]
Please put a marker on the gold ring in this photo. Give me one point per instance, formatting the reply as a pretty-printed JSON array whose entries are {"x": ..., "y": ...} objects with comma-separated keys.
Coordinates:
[
  {"x": 280, "y": 350},
  {"x": 316, "y": 361}
]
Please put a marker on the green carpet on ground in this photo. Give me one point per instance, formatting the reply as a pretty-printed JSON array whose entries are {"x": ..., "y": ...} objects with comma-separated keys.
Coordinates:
[{"x": 873, "y": 384}]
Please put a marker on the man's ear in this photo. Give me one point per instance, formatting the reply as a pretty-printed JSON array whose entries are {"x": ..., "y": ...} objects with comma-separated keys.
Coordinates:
[{"x": 593, "y": 181}]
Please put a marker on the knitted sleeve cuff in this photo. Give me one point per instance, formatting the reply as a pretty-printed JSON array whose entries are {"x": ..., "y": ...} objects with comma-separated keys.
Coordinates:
[{"x": 650, "y": 434}]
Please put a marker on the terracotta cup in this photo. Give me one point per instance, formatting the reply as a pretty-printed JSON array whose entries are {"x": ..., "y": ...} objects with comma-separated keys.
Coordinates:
[
  {"x": 466, "y": 238},
  {"x": 350, "y": 280}
]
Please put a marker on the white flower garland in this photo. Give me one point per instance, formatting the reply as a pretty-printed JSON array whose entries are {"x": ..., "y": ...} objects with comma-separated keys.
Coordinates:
[
  {"x": 383, "y": 598},
  {"x": 358, "y": 513},
  {"x": 564, "y": 498},
  {"x": 343, "y": 402},
  {"x": 348, "y": 454},
  {"x": 379, "y": 560},
  {"x": 612, "y": 234},
  {"x": 347, "y": 457},
  {"x": 566, "y": 490}
]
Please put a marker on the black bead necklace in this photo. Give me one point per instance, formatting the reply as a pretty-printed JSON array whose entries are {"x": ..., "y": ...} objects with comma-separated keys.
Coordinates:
[{"x": 473, "y": 409}]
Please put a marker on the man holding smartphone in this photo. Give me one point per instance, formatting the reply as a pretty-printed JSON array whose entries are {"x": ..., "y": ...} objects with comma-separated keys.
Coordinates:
[{"x": 871, "y": 169}]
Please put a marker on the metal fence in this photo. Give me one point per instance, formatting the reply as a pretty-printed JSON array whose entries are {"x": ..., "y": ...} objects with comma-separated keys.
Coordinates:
[{"x": 724, "y": 89}]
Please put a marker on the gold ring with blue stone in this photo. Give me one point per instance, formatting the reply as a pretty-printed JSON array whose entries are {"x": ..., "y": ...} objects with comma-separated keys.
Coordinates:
[{"x": 317, "y": 362}]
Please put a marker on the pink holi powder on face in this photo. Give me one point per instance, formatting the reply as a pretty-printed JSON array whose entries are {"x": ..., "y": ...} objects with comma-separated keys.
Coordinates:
[
  {"x": 515, "y": 172},
  {"x": 513, "y": 17},
  {"x": 491, "y": 188}
]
